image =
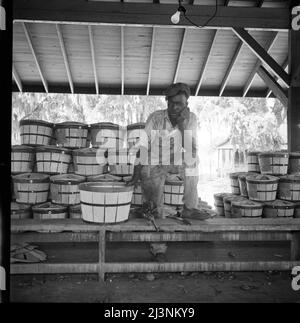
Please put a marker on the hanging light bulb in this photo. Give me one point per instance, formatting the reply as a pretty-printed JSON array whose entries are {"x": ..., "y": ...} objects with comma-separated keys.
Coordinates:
[{"x": 176, "y": 17}]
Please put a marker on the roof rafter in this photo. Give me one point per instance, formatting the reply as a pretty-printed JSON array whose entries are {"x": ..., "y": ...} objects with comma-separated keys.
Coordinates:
[
  {"x": 204, "y": 67},
  {"x": 260, "y": 52},
  {"x": 184, "y": 35},
  {"x": 151, "y": 59},
  {"x": 65, "y": 57},
  {"x": 17, "y": 78},
  {"x": 91, "y": 38},
  {"x": 29, "y": 41},
  {"x": 251, "y": 77},
  {"x": 284, "y": 66},
  {"x": 122, "y": 60},
  {"x": 230, "y": 67},
  {"x": 273, "y": 85}
]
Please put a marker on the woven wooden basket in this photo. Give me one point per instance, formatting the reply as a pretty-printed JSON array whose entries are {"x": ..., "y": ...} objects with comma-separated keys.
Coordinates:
[
  {"x": 49, "y": 210},
  {"x": 227, "y": 203},
  {"x": 53, "y": 160},
  {"x": 262, "y": 188},
  {"x": 289, "y": 188},
  {"x": 121, "y": 162},
  {"x": 273, "y": 163},
  {"x": 278, "y": 208},
  {"x": 243, "y": 183},
  {"x": 137, "y": 196},
  {"x": 31, "y": 188},
  {"x": 219, "y": 202},
  {"x": 107, "y": 135},
  {"x": 36, "y": 132},
  {"x": 20, "y": 211},
  {"x": 234, "y": 182},
  {"x": 294, "y": 163},
  {"x": 71, "y": 134},
  {"x": 90, "y": 161},
  {"x": 252, "y": 161},
  {"x": 22, "y": 159},
  {"x": 75, "y": 211},
  {"x": 173, "y": 193},
  {"x": 64, "y": 188},
  {"x": 246, "y": 209},
  {"x": 104, "y": 202},
  {"x": 134, "y": 133}
]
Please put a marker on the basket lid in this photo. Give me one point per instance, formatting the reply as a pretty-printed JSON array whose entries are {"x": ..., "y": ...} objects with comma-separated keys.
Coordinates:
[
  {"x": 106, "y": 125},
  {"x": 31, "y": 178},
  {"x": 67, "y": 179},
  {"x": 244, "y": 175},
  {"x": 280, "y": 204},
  {"x": 247, "y": 204},
  {"x": 22, "y": 149},
  {"x": 105, "y": 187},
  {"x": 274, "y": 154},
  {"x": 28, "y": 122},
  {"x": 19, "y": 208},
  {"x": 221, "y": 195},
  {"x": 71, "y": 124},
  {"x": 262, "y": 179},
  {"x": 236, "y": 175},
  {"x": 49, "y": 207},
  {"x": 48, "y": 148},
  {"x": 136, "y": 126},
  {"x": 233, "y": 197},
  {"x": 290, "y": 179},
  {"x": 85, "y": 152},
  {"x": 104, "y": 178}
]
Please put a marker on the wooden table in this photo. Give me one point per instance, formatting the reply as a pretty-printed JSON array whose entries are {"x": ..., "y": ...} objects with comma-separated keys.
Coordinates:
[{"x": 139, "y": 230}]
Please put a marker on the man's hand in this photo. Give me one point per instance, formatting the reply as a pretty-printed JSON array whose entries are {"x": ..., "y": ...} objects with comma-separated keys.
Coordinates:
[{"x": 183, "y": 119}]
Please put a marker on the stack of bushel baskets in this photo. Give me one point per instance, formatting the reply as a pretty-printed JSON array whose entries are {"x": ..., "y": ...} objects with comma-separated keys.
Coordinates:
[
  {"x": 270, "y": 188},
  {"x": 73, "y": 170}
]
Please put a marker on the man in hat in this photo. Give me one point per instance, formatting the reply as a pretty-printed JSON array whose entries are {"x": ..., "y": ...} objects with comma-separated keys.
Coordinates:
[{"x": 171, "y": 147}]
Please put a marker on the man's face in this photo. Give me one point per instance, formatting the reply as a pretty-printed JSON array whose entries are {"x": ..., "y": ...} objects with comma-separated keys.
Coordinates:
[{"x": 176, "y": 104}]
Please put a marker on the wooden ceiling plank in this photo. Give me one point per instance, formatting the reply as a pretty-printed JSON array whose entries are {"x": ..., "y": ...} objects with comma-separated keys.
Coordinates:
[
  {"x": 258, "y": 64},
  {"x": 204, "y": 66},
  {"x": 231, "y": 66},
  {"x": 65, "y": 57},
  {"x": 284, "y": 66},
  {"x": 260, "y": 52},
  {"x": 91, "y": 38},
  {"x": 122, "y": 60},
  {"x": 17, "y": 78},
  {"x": 180, "y": 55},
  {"x": 151, "y": 59},
  {"x": 273, "y": 85},
  {"x": 29, "y": 41}
]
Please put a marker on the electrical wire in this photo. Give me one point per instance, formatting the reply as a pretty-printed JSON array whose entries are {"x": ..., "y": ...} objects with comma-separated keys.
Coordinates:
[{"x": 209, "y": 19}]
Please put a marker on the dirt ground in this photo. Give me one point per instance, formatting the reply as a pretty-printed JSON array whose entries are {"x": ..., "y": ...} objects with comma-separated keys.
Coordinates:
[{"x": 192, "y": 287}]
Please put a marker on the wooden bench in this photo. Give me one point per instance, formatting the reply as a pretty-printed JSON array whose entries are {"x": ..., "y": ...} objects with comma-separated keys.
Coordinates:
[{"x": 139, "y": 230}]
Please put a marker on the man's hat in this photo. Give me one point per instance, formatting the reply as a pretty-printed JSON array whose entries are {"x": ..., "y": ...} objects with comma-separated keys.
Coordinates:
[{"x": 177, "y": 88}]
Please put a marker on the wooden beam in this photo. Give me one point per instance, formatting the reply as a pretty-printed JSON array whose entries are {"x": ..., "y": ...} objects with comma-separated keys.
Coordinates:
[
  {"x": 272, "y": 84},
  {"x": 29, "y": 41},
  {"x": 251, "y": 77},
  {"x": 151, "y": 60},
  {"x": 230, "y": 67},
  {"x": 260, "y": 3},
  {"x": 260, "y": 52},
  {"x": 65, "y": 57},
  {"x": 180, "y": 55},
  {"x": 17, "y": 78},
  {"x": 93, "y": 58},
  {"x": 204, "y": 66},
  {"x": 149, "y": 14},
  {"x": 122, "y": 60},
  {"x": 284, "y": 66}
]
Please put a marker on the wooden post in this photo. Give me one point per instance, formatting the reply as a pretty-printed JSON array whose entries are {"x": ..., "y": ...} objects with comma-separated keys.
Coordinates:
[
  {"x": 294, "y": 92},
  {"x": 295, "y": 246},
  {"x": 102, "y": 246},
  {"x": 5, "y": 135}
]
